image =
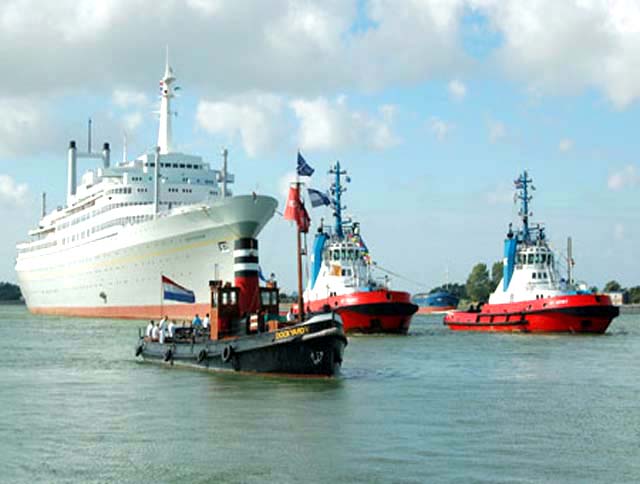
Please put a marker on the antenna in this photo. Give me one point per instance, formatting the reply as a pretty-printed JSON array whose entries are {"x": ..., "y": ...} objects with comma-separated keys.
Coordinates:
[
  {"x": 569, "y": 260},
  {"x": 337, "y": 190},
  {"x": 124, "y": 146},
  {"x": 225, "y": 154},
  {"x": 89, "y": 137},
  {"x": 523, "y": 184}
]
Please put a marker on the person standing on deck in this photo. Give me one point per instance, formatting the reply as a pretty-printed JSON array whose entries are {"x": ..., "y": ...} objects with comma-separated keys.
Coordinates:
[
  {"x": 206, "y": 321},
  {"x": 171, "y": 329},
  {"x": 149, "y": 329},
  {"x": 154, "y": 333},
  {"x": 196, "y": 324}
]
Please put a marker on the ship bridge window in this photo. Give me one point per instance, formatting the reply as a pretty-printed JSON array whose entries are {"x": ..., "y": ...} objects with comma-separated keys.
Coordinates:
[
  {"x": 181, "y": 165},
  {"x": 533, "y": 275},
  {"x": 189, "y": 166},
  {"x": 343, "y": 253},
  {"x": 335, "y": 255},
  {"x": 543, "y": 258},
  {"x": 530, "y": 258},
  {"x": 175, "y": 165}
]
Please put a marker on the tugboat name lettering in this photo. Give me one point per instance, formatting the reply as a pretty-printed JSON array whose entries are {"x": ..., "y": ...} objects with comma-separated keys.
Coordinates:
[{"x": 288, "y": 333}]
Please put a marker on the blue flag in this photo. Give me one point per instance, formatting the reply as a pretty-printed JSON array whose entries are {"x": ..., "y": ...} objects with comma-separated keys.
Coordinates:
[
  {"x": 303, "y": 167},
  {"x": 318, "y": 198}
]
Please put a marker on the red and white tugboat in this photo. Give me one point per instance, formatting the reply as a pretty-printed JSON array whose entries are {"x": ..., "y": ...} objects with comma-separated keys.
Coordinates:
[
  {"x": 340, "y": 276},
  {"x": 532, "y": 297}
]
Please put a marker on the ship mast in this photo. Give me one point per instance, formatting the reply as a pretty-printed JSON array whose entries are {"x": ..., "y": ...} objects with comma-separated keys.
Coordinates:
[
  {"x": 337, "y": 190},
  {"x": 522, "y": 186},
  {"x": 164, "y": 132}
]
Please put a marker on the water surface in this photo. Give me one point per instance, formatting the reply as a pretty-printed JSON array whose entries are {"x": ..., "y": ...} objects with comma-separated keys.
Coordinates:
[{"x": 435, "y": 406}]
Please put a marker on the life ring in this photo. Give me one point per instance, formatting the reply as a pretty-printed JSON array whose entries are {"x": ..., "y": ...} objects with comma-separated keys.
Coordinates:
[
  {"x": 227, "y": 353},
  {"x": 139, "y": 350},
  {"x": 168, "y": 355},
  {"x": 202, "y": 355}
]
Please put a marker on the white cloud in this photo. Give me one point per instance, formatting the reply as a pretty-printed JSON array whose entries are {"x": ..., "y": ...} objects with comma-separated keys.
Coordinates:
[
  {"x": 497, "y": 131},
  {"x": 256, "y": 119},
  {"x": 565, "y": 145},
  {"x": 457, "y": 89},
  {"x": 627, "y": 177},
  {"x": 132, "y": 121},
  {"x": 12, "y": 193},
  {"x": 285, "y": 182},
  {"x": 500, "y": 195},
  {"x": 24, "y": 126},
  {"x": 440, "y": 128},
  {"x": 125, "y": 98},
  {"x": 570, "y": 45},
  {"x": 329, "y": 125}
]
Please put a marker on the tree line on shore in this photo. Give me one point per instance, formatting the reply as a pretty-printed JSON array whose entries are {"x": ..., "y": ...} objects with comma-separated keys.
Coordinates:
[
  {"x": 481, "y": 283},
  {"x": 9, "y": 292}
]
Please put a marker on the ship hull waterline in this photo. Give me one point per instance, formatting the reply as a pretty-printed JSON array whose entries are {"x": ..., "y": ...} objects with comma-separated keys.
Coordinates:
[
  {"x": 385, "y": 312},
  {"x": 565, "y": 314},
  {"x": 120, "y": 277}
]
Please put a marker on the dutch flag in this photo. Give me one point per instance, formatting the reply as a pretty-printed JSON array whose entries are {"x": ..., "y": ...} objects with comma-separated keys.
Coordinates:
[{"x": 175, "y": 292}]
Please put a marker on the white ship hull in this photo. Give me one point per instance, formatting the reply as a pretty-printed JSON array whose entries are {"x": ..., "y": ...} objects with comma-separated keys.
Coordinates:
[{"x": 119, "y": 275}]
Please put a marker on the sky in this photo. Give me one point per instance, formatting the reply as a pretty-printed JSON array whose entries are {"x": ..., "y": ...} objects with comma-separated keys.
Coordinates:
[{"x": 432, "y": 106}]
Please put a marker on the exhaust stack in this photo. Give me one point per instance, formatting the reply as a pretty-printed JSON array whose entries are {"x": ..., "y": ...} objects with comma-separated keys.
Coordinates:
[{"x": 71, "y": 171}]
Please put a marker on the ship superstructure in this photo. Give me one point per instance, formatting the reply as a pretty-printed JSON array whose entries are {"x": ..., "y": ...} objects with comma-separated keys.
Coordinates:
[{"x": 125, "y": 225}]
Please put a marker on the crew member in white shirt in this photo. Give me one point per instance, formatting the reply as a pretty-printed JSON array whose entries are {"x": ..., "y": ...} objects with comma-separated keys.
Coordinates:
[
  {"x": 154, "y": 333},
  {"x": 206, "y": 321},
  {"x": 149, "y": 329},
  {"x": 171, "y": 329}
]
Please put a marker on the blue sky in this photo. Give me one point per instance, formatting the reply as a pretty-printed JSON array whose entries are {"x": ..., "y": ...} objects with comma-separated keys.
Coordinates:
[{"x": 433, "y": 107}]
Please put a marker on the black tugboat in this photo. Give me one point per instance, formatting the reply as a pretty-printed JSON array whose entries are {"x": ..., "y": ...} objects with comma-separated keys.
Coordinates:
[
  {"x": 258, "y": 342},
  {"x": 246, "y": 331}
]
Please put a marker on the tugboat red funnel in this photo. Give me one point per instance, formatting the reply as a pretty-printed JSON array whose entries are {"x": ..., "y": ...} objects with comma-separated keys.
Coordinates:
[{"x": 532, "y": 296}]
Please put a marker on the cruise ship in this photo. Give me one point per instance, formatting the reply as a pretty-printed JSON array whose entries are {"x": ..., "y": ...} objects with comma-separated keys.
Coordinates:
[{"x": 127, "y": 225}]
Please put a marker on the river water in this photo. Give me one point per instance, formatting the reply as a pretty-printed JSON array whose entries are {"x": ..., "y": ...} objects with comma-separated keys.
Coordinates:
[{"x": 434, "y": 406}]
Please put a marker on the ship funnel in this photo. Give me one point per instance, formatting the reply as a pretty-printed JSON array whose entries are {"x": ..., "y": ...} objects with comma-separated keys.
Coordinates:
[
  {"x": 106, "y": 155},
  {"x": 246, "y": 273},
  {"x": 71, "y": 171}
]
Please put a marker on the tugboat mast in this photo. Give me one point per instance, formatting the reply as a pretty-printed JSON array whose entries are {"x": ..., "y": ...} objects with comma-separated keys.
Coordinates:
[
  {"x": 336, "y": 190},
  {"x": 522, "y": 185}
]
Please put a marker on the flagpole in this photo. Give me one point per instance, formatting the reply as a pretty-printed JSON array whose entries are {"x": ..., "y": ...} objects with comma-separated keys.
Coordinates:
[{"x": 161, "y": 296}]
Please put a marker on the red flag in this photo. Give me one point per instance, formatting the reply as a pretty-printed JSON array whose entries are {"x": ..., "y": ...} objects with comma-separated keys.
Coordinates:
[{"x": 295, "y": 210}]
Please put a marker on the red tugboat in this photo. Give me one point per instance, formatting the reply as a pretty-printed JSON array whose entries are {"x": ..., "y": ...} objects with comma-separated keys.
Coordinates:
[
  {"x": 532, "y": 297},
  {"x": 340, "y": 277}
]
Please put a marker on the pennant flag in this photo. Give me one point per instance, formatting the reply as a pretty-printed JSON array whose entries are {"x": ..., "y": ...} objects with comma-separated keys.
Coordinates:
[
  {"x": 295, "y": 210},
  {"x": 303, "y": 168},
  {"x": 175, "y": 292},
  {"x": 318, "y": 198}
]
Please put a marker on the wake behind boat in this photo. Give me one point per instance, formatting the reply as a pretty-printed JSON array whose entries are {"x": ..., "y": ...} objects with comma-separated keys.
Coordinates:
[{"x": 532, "y": 296}]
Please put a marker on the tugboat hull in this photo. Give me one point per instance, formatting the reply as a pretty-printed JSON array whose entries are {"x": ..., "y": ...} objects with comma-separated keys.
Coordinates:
[
  {"x": 371, "y": 312},
  {"x": 311, "y": 348},
  {"x": 586, "y": 313}
]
